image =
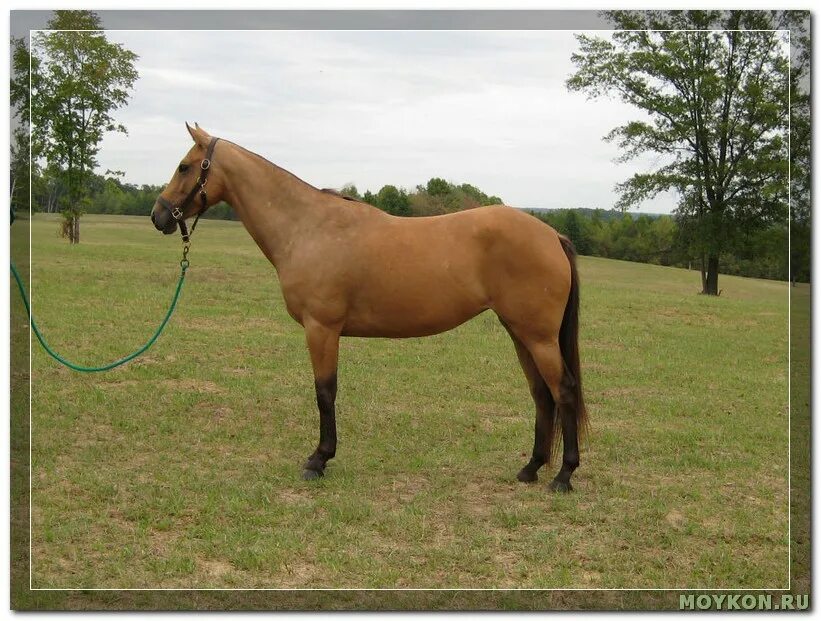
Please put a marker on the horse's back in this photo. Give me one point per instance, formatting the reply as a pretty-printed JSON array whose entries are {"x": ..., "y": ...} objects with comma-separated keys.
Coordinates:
[{"x": 430, "y": 274}]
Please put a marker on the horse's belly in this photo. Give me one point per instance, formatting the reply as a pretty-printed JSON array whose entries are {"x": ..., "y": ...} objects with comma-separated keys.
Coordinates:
[
  {"x": 405, "y": 327},
  {"x": 413, "y": 306}
]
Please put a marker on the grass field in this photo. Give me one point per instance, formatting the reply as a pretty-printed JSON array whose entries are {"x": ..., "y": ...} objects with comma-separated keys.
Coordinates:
[{"x": 182, "y": 469}]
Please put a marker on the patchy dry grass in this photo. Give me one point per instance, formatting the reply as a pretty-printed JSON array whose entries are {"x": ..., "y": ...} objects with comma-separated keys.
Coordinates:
[{"x": 182, "y": 469}]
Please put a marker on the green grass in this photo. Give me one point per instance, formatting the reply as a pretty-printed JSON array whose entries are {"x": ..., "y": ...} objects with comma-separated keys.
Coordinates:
[{"x": 182, "y": 469}]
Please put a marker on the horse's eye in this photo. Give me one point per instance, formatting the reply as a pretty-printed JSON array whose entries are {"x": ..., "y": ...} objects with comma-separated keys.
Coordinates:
[{"x": 183, "y": 168}]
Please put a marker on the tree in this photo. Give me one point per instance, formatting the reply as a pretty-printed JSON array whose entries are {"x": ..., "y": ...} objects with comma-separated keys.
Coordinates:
[
  {"x": 477, "y": 195},
  {"x": 714, "y": 86},
  {"x": 574, "y": 229},
  {"x": 393, "y": 201},
  {"x": 437, "y": 186},
  {"x": 800, "y": 134},
  {"x": 78, "y": 80},
  {"x": 22, "y": 157}
]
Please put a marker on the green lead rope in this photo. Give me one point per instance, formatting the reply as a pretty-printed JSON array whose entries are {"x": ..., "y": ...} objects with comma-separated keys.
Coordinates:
[{"x": 116, "y": 363}]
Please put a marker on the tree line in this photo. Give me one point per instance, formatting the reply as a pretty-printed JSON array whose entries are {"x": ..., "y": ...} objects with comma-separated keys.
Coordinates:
[
  {"x": 435, "y": 198},
  {"x": 725, "y": 109},
  {"x": 612, "y": 234},
  {"x": 109, "y": 194},
  {"x": 663, "y": 240}
]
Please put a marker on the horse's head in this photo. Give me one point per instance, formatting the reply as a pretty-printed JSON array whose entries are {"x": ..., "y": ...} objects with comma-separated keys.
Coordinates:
[{"x": 194, "y": 187}]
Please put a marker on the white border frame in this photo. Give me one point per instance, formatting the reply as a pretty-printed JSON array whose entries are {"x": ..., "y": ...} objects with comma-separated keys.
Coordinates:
[{"x": 449, "y": 589}]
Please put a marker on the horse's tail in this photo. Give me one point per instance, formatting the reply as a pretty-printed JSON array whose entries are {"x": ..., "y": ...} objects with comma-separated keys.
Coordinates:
[{"x": 569, "y": 342}]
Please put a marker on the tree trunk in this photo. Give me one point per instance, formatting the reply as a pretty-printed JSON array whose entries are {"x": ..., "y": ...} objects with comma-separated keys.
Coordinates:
[
  {"x": 710, "y": 286},
  {"x": 75, "y": 230}
]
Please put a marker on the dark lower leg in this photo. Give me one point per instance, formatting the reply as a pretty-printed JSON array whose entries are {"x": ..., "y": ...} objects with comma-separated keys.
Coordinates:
[
  {"x": 570, "y": 452},
  {"x": 543, "y": 432},
  {"x": 325, "y": 398},
  {"x": 545, "y": 410}
]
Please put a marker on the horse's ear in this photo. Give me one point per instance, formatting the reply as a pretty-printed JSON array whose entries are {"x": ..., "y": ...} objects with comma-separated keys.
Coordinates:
[{"x": 199, "y": 135}]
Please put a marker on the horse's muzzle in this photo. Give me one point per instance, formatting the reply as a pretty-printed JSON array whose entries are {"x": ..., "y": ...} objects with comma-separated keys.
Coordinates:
[{"x": 163, "y": 222}]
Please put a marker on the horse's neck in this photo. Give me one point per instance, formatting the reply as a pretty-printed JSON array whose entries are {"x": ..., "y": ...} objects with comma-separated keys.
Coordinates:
[{"x": 276, "y": 208}]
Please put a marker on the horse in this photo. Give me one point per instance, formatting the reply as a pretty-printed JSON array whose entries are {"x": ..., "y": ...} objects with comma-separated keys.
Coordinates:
[{"x": 349, "y": 269}]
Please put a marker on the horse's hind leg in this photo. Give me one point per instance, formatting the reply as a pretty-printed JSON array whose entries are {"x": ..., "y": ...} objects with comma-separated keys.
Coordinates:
[
  {"x": 545, "y": 413},
  {"x": 548, "y": 358}
]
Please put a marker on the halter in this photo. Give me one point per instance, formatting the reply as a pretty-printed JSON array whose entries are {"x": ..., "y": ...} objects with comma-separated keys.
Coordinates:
[{"x": 178, "y": 211}]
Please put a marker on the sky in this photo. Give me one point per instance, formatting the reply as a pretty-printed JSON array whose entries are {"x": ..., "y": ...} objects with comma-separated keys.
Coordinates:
[{"x": 380, "y": 107}]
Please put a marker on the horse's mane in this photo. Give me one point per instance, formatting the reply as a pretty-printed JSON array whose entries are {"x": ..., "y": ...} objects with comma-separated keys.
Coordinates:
[{"x": 339, "y": 194}]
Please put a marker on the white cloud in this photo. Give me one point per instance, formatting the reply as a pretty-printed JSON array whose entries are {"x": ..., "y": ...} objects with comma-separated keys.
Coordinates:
[{"x": 184, "y": 79}]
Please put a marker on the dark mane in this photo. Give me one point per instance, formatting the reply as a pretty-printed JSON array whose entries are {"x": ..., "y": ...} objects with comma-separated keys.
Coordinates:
[{"x": 339, "y": 194}]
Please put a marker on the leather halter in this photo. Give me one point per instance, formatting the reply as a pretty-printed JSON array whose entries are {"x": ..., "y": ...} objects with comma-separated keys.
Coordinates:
[{"x": 178, "y": 211}]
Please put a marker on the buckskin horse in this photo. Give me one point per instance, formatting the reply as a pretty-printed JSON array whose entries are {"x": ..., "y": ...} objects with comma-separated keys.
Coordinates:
[{"x": 347, "y": 268}]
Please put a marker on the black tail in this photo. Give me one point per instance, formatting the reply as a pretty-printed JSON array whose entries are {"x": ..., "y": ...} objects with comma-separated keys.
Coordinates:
[{"x": 569, "y": 341}]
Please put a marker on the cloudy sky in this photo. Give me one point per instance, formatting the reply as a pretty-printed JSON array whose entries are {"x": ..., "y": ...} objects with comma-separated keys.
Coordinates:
[{"x": 377, "y": 107}]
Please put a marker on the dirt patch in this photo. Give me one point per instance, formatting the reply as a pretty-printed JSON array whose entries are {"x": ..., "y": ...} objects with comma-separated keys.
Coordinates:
[
  {"x": 215, "y": 568},
  {"x": 297, "y": 574},
  {"x": 220, "y": 413},
  {"x": 294, "y": 496},
  {"x": 407, "y": 488},
  {"x": 675, "y": 518}
]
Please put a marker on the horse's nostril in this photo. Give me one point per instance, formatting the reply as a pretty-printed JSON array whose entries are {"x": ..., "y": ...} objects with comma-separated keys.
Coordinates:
[{"x": 152, "y": 216}]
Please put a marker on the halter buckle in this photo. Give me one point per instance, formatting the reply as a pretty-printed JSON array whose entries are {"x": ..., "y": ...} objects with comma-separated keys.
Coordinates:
[
  {"x": 176, "y": 213},
  {"x": 206, "y": 164}
]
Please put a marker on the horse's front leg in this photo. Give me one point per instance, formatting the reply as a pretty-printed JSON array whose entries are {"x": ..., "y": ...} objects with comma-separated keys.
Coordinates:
[{"x": 323, "y": 345}]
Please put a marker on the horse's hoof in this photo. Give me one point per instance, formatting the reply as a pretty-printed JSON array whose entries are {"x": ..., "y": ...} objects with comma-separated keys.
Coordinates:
[
  {"x": 560, "y": 487},
  {"x": 527, "y": 476},
  {"x": 310, "y": 475}
]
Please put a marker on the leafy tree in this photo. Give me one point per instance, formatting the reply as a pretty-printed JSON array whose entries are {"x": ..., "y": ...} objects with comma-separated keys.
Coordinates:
[
  {"x": 19, "y": 169},
  {"x": 21, "y": 156},
  {"x": 393, "y": 201},
  {"x": 78, "y": 80},
  {"x": 437, "y": 187},
  {"x": 714, "y": 87},
  {"x": 800, "y": 134},
  {"x": 574, "y": 229},
  {"x": 477, "y": 195}
]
